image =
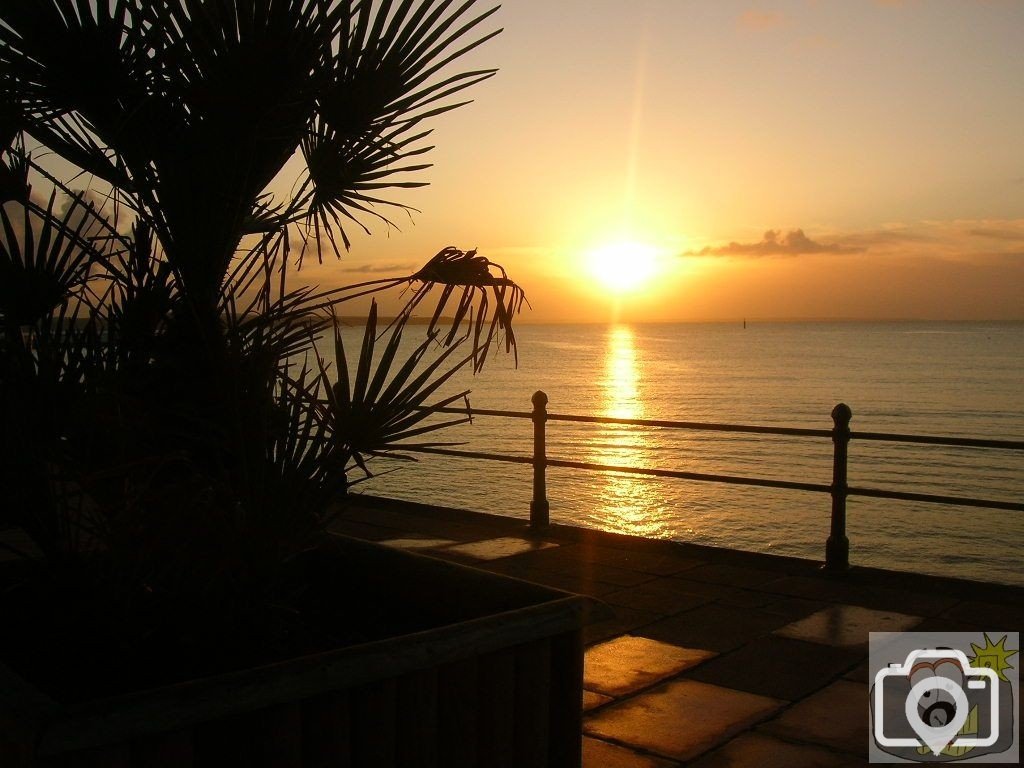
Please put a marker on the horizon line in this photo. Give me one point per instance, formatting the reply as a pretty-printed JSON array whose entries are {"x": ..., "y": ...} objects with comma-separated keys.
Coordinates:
[{"x": 769, "y": 320}]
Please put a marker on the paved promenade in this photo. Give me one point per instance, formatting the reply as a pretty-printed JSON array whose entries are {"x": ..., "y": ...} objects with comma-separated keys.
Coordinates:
[{"x": 706, "y": 657}]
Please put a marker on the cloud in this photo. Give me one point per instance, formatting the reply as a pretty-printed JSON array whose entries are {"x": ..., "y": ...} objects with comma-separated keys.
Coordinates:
[
  {"x": 774, "y": 243},
  {"x": 390, "y": 269},
  {"x": 978, "y": 241},
  {"x": 760, "y": 19},
  {"x": 1010, "y": 235},
  {"x": 884, "y": 238}
]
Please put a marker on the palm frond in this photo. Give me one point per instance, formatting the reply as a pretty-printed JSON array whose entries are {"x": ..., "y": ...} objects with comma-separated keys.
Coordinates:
[
  {"x": 79, "y": 80},
  {"x": 384, "y": 402},
  {"x": 14, "y": 186},
  {"x": 143, "y": 294},
  {"x": 468, "y": 277},
  {"x": 383, "y": 88},
  {"x": 44, "y": 256}
]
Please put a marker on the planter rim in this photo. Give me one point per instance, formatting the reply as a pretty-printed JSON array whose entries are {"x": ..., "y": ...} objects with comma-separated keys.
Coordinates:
[{"x": 57, "y": 728}]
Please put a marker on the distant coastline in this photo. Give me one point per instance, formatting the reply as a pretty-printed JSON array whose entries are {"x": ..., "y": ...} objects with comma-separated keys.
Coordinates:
[{"x": 754, "y": 321}]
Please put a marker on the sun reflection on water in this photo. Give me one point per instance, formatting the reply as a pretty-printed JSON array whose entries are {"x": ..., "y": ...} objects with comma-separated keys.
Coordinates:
[
  {"x": 628, "y": 503},
  {"x": 621, "y": 383}
]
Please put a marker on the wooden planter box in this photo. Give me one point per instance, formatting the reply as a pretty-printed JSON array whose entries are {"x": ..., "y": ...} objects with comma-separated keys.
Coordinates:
[{"x": 497, "y": 682}]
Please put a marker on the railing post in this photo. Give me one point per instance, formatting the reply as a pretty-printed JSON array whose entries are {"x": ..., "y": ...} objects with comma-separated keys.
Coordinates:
[
  {"x": 539, "y": 507},
  {"x": 837, "y": 549}
]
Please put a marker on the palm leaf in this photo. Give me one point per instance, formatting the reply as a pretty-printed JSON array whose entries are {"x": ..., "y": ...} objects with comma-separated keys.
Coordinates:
[
  {"x": 385, "y": 403},
  {"x": 44, "y": 256},
  {"x": 14, "y": 168},
  {"x": 380, "y": 93},
  {"x": 453, "y": 269}
]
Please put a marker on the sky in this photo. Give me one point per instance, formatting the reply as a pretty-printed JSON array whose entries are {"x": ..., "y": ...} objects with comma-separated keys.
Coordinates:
[{"x": 809, "y": 159}]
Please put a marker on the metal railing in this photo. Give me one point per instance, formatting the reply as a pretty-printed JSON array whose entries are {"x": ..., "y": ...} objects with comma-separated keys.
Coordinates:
[{"x": 837, "y": 546}]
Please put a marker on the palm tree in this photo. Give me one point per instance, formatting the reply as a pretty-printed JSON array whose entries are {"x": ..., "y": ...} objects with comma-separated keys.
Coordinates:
[{"x": 160, "y": 381}]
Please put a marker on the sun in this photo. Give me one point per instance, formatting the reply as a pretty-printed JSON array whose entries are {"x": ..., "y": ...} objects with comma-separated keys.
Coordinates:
[{"x": 624, "y": 266}]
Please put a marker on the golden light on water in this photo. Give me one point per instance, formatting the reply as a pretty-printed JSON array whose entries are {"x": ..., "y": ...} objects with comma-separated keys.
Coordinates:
[
  {"x": 629, "y": 503},
  {"x": 622, "y": 379}
]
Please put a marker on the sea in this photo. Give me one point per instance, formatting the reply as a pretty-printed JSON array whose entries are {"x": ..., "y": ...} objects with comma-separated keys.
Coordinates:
[{"x": 926, "y": 378}]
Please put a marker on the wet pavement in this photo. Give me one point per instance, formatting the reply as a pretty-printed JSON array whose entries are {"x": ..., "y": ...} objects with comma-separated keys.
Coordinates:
[{"x": 705, "y": 656}]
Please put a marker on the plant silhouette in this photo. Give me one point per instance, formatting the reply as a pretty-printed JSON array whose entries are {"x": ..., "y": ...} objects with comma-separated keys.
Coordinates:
[{"x": 162, "y": 395}]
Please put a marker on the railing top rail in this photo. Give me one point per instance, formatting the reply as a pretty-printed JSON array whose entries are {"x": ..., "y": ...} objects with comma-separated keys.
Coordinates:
[{"x": 962, "y": 442}]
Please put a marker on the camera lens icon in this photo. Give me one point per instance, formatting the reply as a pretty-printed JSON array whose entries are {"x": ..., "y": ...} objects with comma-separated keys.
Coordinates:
[
  {"x": 938, "y": 689},
  {"x": 936, "y": 707}
]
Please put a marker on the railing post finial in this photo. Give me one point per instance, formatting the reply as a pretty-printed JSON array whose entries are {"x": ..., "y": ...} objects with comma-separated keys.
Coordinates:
[
  {"x": 837, "y": 548},
  {"x": 539, "y": 507}
]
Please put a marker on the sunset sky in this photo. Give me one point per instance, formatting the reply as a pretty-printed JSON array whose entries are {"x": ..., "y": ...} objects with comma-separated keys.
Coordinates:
[{"x": 802, "y": 159}]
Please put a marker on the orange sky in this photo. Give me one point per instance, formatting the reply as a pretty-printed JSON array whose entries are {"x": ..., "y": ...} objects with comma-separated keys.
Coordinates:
[
  {"x": 878, "y": 144},
  {"x": 800, "y": 159}
]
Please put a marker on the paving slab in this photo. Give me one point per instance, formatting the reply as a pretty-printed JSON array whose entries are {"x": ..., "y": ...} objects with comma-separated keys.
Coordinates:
[
  {"x": 365, "y": 531},
  {"x": 567, "y": 558},
  {"x": 712, "y": 627},
  {"x": 726, "y": 594},
  {"x": 993, "y": 617},
  {"x": 601, "y": 754},
  {"x": 944, "y": 624},
  {"x": 847, "y": 625},
  {"x": 858, "y": 674},
  {"x": 850, "y": 592},
  {"x": 836, "y": 717},
  {"x": 581, "y": 584},
  {"x": 492, "y": 549},
  {"x": 635, "y": 559},
  {"x": 779, "y": 667},
  {"x": 568, "y": 580},
  {"x": 680, "y": 719},
  {"x": 592, "y": 700},
  {"x": 903, "y": 601},
  {"x": 757, "y": 750},
  {"x": 733, "y": 575},
  {"x": 793, "y": 607},
  {"x": 451, "y": 524},
  {"x": 417, "y": 543},
  {"x": 605, "y": 573},
  {"x": 619, "y": 622},
  {"x": 664, "y": 596},
  {"x": 747, "y": 598},
  {"x": 627, "y": 664}
]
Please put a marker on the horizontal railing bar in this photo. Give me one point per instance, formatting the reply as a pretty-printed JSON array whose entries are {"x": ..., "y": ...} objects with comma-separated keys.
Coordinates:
[
  {"x": 476, "y": 412},
  {"x": 695, "y": 425},
  {"x": 699, "y": 476},
  {"x": 964, "y": 442},
  {"x": 959, "y": 501},
  {"x": 732, "y": 479},
  {"x": 466, "y": 454},
  {"x": 962, "y": 501}
]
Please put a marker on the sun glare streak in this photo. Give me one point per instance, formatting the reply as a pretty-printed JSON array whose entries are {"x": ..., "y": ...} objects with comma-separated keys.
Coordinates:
[{"x": 636, "y": 123}]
